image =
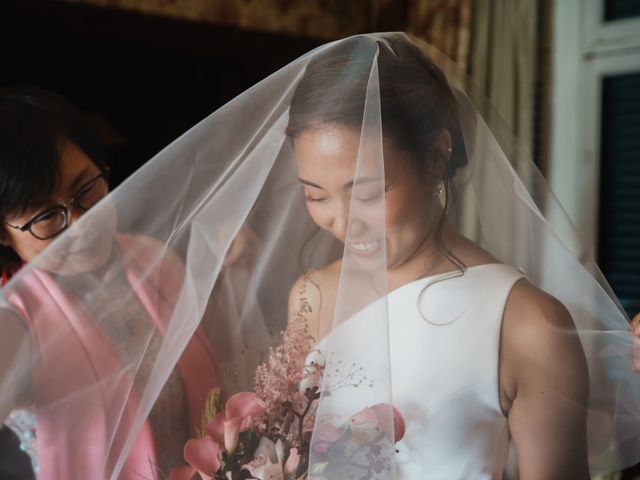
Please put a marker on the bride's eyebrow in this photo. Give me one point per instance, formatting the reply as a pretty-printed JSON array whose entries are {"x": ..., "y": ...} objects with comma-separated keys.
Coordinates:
[
  {"x": 311, "y": 184},
  {"x": 347, "y": 185}
]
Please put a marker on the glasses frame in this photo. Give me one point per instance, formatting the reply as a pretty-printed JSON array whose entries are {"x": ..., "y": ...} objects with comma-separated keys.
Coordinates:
[{"x": 64, "y": 208}]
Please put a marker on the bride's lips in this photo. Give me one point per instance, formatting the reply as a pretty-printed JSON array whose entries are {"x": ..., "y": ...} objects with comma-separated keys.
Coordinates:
[{"x": 364, "y": 248}]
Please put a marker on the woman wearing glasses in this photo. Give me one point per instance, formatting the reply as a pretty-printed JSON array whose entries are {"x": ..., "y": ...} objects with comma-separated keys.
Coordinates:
[{"x": 52, "y": 171}]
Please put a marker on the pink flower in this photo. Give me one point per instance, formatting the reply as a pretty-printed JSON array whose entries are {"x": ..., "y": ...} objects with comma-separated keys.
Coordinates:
[
  {"x": 203, "y": 454},
  {"x": 323, "y": 436},
  {"x": 203, "y": 457},
  {"x": 284, "y": 368},
  {"x": 377, "y": 415},
  {"x": 399, "y": 425},
  {"x": 241, "y": 410},
  {"x": 292, "y": 462}
]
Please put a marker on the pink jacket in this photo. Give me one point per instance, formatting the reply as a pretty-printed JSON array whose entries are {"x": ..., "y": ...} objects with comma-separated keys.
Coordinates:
[{"x": 80, "y": 390}]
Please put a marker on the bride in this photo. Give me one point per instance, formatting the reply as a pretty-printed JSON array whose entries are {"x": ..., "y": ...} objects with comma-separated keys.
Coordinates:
[
  {"x": 385, "y": 211},
  {"x": 510, "y": 365}
]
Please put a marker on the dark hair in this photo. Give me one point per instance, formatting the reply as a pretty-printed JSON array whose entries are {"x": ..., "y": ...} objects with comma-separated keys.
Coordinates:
[
  {"x": 34, "y": 125},
  {"x": 416, "y": 103}
]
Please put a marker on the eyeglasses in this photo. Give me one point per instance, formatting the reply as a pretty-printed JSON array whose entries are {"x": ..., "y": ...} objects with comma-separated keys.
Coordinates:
[{"x": 50, "y": 222}]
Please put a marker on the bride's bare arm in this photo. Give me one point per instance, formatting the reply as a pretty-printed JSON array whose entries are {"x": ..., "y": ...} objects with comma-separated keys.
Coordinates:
[
  {"x": 544, "y": 386},
  {"x": 14, "y": 362}
]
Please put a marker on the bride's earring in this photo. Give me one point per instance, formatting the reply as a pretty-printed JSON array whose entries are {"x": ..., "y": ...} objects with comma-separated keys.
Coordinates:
[{"x": 439, "y": 191}]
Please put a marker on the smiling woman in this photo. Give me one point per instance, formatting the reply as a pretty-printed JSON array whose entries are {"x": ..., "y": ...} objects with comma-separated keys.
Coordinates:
[
  {"x": 391, "y": 207},
  {"x": 79, "y": 186},
  {"x": 364, "y": 142},
  {"x": 53, "y": 170},
  {"x": 329, "y": 155}
]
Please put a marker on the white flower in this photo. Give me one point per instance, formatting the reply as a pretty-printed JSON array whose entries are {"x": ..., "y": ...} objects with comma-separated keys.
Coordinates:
[
  {"x": 268, "y": 460},
  {"x": 312, "y": 372}
]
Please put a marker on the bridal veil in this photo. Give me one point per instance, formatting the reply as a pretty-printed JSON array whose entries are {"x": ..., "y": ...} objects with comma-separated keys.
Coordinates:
[{"x": 167, "y": 234}]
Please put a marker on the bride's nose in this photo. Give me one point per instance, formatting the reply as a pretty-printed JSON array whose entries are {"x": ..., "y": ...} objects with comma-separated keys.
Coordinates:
[
  {"x": 357, "y": 227},
  {"x": 340, "y": 222}
]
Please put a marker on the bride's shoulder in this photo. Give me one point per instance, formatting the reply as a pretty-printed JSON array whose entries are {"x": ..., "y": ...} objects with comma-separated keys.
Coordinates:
[
  {"x": 530, "y": 306},
  {"x": 539, "y": 336},
  {"x": 310, "y": 292},
  {"x": 471, "y": 254},
  {"x": 317, "y": 282},
  {"x": 533, "y": 316}
]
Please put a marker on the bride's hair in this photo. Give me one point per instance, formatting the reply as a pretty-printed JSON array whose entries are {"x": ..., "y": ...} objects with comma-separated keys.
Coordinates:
[{"x": 416, "y": 104}]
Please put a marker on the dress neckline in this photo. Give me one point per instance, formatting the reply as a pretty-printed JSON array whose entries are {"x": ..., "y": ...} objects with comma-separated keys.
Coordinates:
[
  {"x": 403, "y": 288},
  {"x": 442, "y": 274}
]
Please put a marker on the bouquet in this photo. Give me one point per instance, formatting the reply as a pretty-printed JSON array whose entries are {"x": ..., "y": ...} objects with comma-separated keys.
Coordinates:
[{"x": 266, "y": 434}]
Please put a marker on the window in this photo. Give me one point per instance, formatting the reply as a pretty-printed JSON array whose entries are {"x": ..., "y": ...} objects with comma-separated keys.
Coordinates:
[
  {"x": 595, "y": 131},
  {"x": 619, "y": 9},
  {"x": 619, "y": 218}
]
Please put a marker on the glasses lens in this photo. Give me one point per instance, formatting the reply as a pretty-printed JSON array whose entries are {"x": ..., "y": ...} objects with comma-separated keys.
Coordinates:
[
  {"x": 49, "y": 224},
  {"x": 92, "y": 193}
]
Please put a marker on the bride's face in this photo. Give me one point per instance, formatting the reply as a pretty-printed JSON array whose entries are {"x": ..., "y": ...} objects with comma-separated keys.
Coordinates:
[{"x": 326, "y": 165}]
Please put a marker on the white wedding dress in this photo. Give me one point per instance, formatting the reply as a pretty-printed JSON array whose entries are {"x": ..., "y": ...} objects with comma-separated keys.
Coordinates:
[{"x": 444, "y": 372}]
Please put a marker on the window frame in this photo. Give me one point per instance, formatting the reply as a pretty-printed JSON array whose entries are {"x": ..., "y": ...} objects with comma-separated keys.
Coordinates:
[{"x": 585, "y": 51}]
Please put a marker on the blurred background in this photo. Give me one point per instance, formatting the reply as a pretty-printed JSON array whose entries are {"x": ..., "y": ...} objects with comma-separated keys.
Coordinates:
[{"x": 563, "y": 75}]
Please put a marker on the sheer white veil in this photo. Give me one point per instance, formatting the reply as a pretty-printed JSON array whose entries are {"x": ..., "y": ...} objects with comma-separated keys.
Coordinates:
[{"x": 164, "y": 234}]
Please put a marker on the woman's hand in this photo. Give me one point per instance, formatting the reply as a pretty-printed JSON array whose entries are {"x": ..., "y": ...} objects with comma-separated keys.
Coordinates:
[{"x": 634, "y": 326}]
